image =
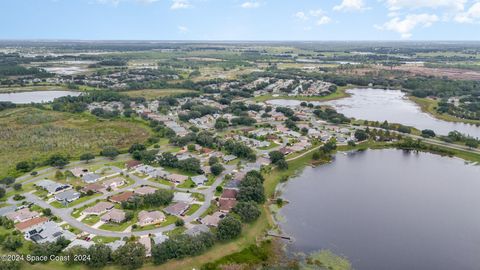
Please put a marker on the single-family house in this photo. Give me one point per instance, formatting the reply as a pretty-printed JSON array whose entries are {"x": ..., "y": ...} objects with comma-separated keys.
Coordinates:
[
  {"x": 183, "y": 197},
  {"x": 52, "y": 187},
  {"x": 213, "y": 219},
  {"x": 48, "y": 232},
  {"x": 94, "y": 187},
  {"x": 229, "y": 194},
  {"x": 145, "y": 190},
  {"x": 225, "y": 205},
  {"x": 113, "y": 183},
  {"x": 114, "y": 215},
  {"x": 197, "y": 230},
  {"x": 22, "y": 215},
  {"x": 229, "y": 158},
  {"x": 98, "y": 208},
  {"x": 91, "y": 178},
  {"x": 132, "y": 164},
  {"x": 122, "y": 197},
  {"x": 150, "y": 217},
  {"x": 79, "y": 243},
  {"x": 116, "y": 245},
  {"x": 147, "y": 243},
  {"x": 199, "y": 179},
  {"x": 159, "y": 238},
  {"x": 176, "y": 178},
  {"x": 67, "y": 196},
  {"x": 79, "y": 172},
  {"x": 177, "y": 209}
]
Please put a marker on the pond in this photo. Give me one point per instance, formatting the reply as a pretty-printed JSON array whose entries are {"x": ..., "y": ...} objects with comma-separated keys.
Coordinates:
[
  {"x": 391, "y": 105},
  {"x": 388, "y": 209},
  {"x": 35, "y": 96}
]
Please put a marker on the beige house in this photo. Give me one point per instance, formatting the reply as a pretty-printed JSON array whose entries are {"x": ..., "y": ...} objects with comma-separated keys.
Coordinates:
[
  {"x": 98, "y": 208},
  {"x": 22, "y": 215},
  {"x": 153, "y": 217},
  {"x": 114, "y": 215}
]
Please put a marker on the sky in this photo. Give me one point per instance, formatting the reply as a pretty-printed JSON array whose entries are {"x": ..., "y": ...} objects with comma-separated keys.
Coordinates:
[{"x": 240, "y": 19}]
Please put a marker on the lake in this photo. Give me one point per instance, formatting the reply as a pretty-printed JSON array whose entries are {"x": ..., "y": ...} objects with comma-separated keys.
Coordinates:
[
  {"x": 35, "y": 96},
  {"x": 391, "y": 105},
  {"x": 388, "y": 209}
]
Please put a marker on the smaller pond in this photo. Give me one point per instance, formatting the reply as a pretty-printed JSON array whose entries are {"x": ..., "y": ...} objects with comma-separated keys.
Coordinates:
[{"x": 35, "y": 96}]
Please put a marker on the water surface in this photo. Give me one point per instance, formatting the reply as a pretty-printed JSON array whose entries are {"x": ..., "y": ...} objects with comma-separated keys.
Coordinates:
[
  {"x": 35, "y": 96},
  {"x": 387, "y": 209},
  {"x": 391, "y": 105}
]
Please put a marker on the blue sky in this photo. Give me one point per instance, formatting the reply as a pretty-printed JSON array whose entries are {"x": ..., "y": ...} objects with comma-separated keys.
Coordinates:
[{"x": 241, "y": 19}]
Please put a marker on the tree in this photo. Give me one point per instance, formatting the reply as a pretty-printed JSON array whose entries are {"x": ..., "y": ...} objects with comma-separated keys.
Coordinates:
[
  {"x": 57, "y": 160},
  {"x": 179, "y": 222},
  {"x": 100, "y": 255},
  {"x": 361, "y": 135},
  {"x": 190, "y": 165},
  {"x": 248, "y": 211},
  {"x": 136, "y": 147},
  {"x": 12, "y": 242},
  {"x": 17, "y": 186},
  {"x": 8, "y": 180},
  {"x": 428, "y": 133},
  {"x": 229, "y": 228},
  {"x": 182, "y": 245},
  {"x": 130, "y": 256},
  {"x": 47, "y": 212},
  {"x": 217, "y": 169},
  {"x": 110, "y": 152},
  {"x": 2, "y": 192},
  {"x": 167, "y": 159},
  {"x": 472, "y": 143},
  {"x": 276, "y": 156},
  {"x": 213, "y": 160},
  {"x": 87, "y": 157},
  {"x": 282, "y": 164},
  {"x": 25, "y": 166}
]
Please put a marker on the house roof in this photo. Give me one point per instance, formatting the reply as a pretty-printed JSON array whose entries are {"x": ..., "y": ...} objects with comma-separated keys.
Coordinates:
[
  {"x": 79, "y": 243},
  {"x": 149, "y": 216},
  {"x": 95, "y": 187},
  {"x": 121, "y": 197},
  {"x": 213, "y": 219},
  {"x": 51, "y": 186},
  {"x": 99, "y": 208},
  {"x": 229, "y": 194},
  {"x": 177, "y": 209},
  {"x": 23, "y": 226},
  {"x": 115, "y": 215},
  {"x": 226, "y": 205},
  {"x": 91, "y": 177},
  {"x": 199, "y": 179},
  {"x": 145, "y": 190},
  {"x": 198, "y": 229},
  {"x": 68, "y": 195},
  {"x": 117, "y": 181},
  {"x": 182, "y": 197},
  {"x": 22, "y": 215},
  {"x": 132, "y": 163}
]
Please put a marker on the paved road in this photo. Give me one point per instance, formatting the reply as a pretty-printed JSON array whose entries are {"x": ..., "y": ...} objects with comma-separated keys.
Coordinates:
[{"x": 66, "y": 213}]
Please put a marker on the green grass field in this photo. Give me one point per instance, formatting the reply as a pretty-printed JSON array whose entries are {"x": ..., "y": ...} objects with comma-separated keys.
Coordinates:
[
  {"x": 340, "y": 93},
  {"x": 34, "y": 134},
  {"x": 151, "y": 94}
]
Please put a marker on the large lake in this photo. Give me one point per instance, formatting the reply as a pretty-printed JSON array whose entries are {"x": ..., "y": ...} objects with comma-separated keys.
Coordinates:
[
  {"x": 388, "y": 209},
  {"x": 35, "y": 96},
  {"x": 390, "y": 105}
]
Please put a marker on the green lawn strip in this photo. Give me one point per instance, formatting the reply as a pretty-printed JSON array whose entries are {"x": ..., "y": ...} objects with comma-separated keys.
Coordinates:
[
  {"x": 198, "y": 196},
  {"x": 91, "y": 219},
  {"x": 169, "y": 220},
  {"x": 118, "y": 227},
  {"x": 271, "y": 146},
  {"x": 193, "y": 208},
  {"x": 429, "y": 106},
  {"x": 187, "y": 184},
  {"x": 211, "y": 180},
  {"x": 104, "y": 239}
]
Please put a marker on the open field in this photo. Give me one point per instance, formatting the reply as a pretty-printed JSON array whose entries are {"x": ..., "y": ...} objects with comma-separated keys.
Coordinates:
[
  {"x": 151, "y": 94},
  {"x": 34, "y": 134}
]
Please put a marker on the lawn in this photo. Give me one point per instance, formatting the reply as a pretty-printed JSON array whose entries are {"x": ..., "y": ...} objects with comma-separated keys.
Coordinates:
[
  {"x": 340, "y": 93},
  {"x": 271, "y": 146},
  {"x": 57, "y": 204},
  {"x": 187, "y": 184},
  {"x": 193, "y": 208},
  {"x": 151, "y": 94},
  {"x": 35, "y": 134},
  {"x": 118, "y": 227},
  {"x": 91, "y": 220}
]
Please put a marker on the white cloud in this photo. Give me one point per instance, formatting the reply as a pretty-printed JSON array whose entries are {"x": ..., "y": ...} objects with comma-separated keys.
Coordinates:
[
  {"x": 324, "y": 20},
  {"x": 472, "y": 15},
  {"x": 315, "y": 14},
  {"x": 416, "y": 4},
  {"x": 146, "y": 1},
  {"x": 250, "y": 4},
  {"x": 301, "y": 16},
  {"x": 182, "y": 29},
  {"x": 408, "y": 24},
  {"x": 350, "y": 5},
  {"x": 180, "y": 4},
  {"x": 116, "y": 2}
]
